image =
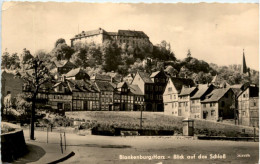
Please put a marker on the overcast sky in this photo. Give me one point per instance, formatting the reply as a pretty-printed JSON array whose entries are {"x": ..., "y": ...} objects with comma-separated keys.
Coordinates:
[{"x": 216, "y": 33}]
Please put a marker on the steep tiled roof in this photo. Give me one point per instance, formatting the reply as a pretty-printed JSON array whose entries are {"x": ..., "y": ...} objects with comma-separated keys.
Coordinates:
[
  {"x": 129, "y": 33},
  {"x": 104, "y": 86},
  {"x": 82, "y": 85},
  {"x": 112, "y": 33},
  {"x": 202, "y": 88},
  {"x": 113, "y": 84},
  {"x": 62, "y": 63},
  {"x": 145, "y": 77},
  {"x": 236, "y": 91},
  {"x": 155, "y": 73},
  {"x": 135, "y": 89},
  {"x": 74, "y": 72},
  {"x": 236, "y": 86},
  {"x": 88, "y": 33},
  {"x": 187, "y": 91},
  {"x": 120, "y": 85},
  {"x": 179, "y": 82},
  {"x": 216, "y": 94},
  {"x": 99, "y": 77}
]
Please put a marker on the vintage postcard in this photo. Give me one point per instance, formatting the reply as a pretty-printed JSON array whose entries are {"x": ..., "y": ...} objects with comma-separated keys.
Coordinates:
[{"x": 123, "y": 83}]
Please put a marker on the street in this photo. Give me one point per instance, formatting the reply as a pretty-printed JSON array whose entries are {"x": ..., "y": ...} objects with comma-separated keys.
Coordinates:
[{"x": 145, "y": 149}]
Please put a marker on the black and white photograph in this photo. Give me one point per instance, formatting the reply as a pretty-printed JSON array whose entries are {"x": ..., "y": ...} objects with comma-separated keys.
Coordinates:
[{"x": 129, "y": 83}]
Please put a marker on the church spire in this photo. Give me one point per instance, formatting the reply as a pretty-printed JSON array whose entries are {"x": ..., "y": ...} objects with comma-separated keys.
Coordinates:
[
  {"x": 189, "y": 54},
  {"x": 244, "y": 68}
]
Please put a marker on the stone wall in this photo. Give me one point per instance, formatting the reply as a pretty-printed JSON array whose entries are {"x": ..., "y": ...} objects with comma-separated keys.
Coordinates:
[{"x": 13, "y": 145}]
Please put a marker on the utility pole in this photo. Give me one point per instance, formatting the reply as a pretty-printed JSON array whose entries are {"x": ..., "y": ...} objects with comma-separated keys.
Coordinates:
[{"x": 141, "y": 118}]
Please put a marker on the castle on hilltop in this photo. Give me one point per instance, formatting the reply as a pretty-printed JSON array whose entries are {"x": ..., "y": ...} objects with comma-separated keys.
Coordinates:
[{"x": 99, "y": 36}]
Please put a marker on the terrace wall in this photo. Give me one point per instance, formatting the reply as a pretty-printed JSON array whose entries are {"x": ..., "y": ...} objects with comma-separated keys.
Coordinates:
[{"x": 13, "y": 145}]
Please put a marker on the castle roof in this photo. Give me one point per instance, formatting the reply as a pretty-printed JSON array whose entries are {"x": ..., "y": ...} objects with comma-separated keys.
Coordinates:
[{"x": 130, "y": 33}]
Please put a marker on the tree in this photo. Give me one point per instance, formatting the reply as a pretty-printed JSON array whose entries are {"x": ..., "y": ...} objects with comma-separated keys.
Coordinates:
[
  {"x": 26, "y": 56},
  {"x": 62, "y": 51},
  {"x": 35, "y": 74},
  {"x": 5, "y": 60},
  {"x": 14, "y": 61},
  {"x": 202, "y": 78},
  {"x": 171, "y": 71},
  {"x": 137, "y": 66},
  {"x": 22, "y": 104},
  {"x": 163, "y": 52},
  {"x": 111, "y": 53},
  {"x": 60, "y": 41}
]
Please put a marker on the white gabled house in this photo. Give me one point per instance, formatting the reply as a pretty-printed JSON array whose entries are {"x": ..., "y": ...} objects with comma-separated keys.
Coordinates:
[{"x": 171, "y": 93}]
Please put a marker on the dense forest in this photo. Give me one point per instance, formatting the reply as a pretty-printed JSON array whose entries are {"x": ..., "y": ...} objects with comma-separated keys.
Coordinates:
[{"x": 123, "y": 59}]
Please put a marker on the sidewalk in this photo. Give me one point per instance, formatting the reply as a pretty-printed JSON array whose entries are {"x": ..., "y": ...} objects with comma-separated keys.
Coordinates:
[{"x": 41, "y": 152}]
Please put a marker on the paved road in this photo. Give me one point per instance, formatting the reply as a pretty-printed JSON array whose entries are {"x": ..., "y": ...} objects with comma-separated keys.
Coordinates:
[{"x": 141, "y": 149}]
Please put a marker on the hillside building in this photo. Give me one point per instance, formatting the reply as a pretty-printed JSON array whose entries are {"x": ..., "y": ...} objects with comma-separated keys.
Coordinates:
[
  {"x": 248, "y": 106},
  {"x": 195, "y": 104},
  {"x": 77, "y": 74},
  {"x": 152, "y": 88},
  {"x": 184, "y": 109},
  {"x": 171, "y": 93},
  {"x": 128, "y": 97},
  {"x": 219, "y": 105},
  {"x": 99, "y": 36}
]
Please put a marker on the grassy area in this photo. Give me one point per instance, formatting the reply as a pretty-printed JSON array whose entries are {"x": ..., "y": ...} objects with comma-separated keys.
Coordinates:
[{"x": 157, "y": 121}]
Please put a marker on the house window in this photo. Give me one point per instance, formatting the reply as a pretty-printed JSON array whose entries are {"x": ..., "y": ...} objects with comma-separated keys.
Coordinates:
[
  {"x": 174, "y": 96},
  {"x": 186, "y": 103},
  {"x": 60, "y": 88},
  {"x": 193, "y": 101},
  {"x": 151, "y": 96},
  {"x": 160, "y": 88},
  {"x": 170, "y": 96},
  {"x": 151, "y": 88},
  {"x": 169, "y": 89},
  {"x": 179, "y": 104},
  {"x": 213, "y": 113},
  {"x": 254, "y": 103},
  {"x": 204, "y": 105}
]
